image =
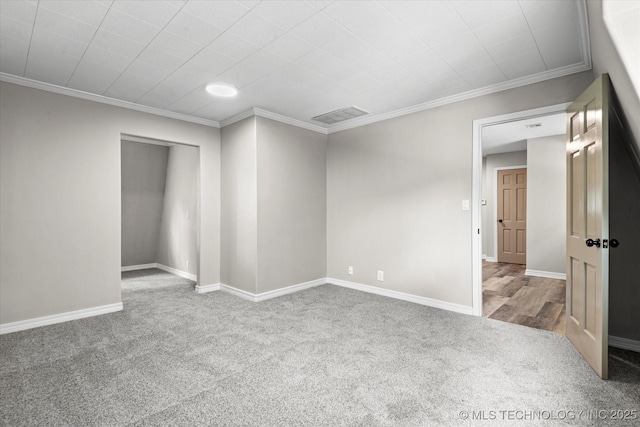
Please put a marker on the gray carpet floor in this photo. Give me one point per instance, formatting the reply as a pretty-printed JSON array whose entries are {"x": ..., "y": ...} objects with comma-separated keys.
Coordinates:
[{"x": 326, "y": 356}]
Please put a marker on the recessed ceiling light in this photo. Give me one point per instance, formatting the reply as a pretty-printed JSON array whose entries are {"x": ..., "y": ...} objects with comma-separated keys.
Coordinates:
[{"x": 222, "y": 89}]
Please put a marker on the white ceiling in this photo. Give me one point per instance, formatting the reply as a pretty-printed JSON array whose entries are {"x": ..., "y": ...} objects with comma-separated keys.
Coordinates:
[
  {"x": 298, "y": 59},
  {"x": 512, "y": 136}
]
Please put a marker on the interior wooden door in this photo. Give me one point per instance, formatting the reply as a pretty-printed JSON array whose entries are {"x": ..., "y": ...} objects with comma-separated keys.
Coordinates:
[
  {"x": 588, "y": 225},
  {"x": 512, "y": 216}
]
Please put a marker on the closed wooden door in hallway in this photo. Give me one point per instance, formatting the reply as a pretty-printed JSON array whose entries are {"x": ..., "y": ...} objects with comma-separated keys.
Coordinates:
[{"x": 512, "y": 215}]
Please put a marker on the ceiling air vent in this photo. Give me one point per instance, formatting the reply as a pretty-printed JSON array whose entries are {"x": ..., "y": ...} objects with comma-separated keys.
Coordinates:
[{"x": 340, "y": 115}]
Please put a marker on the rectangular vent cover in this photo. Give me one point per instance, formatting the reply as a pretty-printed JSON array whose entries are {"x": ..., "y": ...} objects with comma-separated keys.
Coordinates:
[{"x": 340, "y": 115}]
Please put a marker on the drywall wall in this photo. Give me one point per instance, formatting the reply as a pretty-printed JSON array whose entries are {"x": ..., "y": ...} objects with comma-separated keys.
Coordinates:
[
  {"x": 606, "y": 59},
  {"x": 60, "y": 199},
  {"x": 624, "y": 212},
  {"x": 239, "y": 205},
  {"x": 143, "y": 174},
  {"x": 488, "y": 212},
  {"x": 273, "y": 205},
  {"x": 546, "y": 204},
  {"x": 395, "y": 190},
  {"x": 292, "y": 184},
  {"x": 178, "y": 229}
]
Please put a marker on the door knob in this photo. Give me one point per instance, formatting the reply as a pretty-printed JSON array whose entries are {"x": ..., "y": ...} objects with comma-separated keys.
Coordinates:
[
  {"x": 614, "y": 243},
  {"x": 499, "y": 220},
  {"x": 591, "y": 243}
]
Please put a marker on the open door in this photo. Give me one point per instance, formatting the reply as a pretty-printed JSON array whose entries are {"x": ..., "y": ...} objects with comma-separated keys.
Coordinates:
[{"x": 588, "y": 224}]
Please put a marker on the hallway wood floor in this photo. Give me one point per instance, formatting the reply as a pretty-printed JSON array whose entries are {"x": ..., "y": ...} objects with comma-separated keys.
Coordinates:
[{"x": 510, "y": 296}]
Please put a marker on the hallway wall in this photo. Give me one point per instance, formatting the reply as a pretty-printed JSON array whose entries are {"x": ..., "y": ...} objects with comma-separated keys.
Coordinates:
[{"x": 546, "y": 204}]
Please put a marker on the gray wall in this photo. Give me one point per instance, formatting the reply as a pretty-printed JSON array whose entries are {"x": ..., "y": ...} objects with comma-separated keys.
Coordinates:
[
  {"x": 624, "y": 199},
  {"x": 624, "y": 268},
  {"x": 606, "y": 59},
  {"x": 491, "y": 162},
  {"x": 178, "y": 230},
  {"x": 60, "y": 199},
  {"x": 395, "y": 190},
  {"x": 292, "y": 194},
  {"x": 239, "y": 205},
  {"x": 546, "y": 204},
  {"x": 144, "y": 173},
  {"x": 273, "y": 205}
]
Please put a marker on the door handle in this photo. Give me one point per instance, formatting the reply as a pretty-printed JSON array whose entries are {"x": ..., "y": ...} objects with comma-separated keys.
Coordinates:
[
  {"x": 499, "y": 220},
  {"x": 614, "y": 243},
  {"x": 591, "y": 243}
]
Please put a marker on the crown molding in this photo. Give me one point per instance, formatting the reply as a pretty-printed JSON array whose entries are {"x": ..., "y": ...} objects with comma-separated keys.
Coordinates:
[
  {"x": 365, "y": 120},
  {"x": 236, "y": 118},
  {"x": 288, "y": 120},
  {"x": 259, "y": 112},
  {"x": 523, "y": 81},
  {"x": 583, "y": 27},
  {"x": 22, "y": 81},
  {"x": 585, "y": 65}
]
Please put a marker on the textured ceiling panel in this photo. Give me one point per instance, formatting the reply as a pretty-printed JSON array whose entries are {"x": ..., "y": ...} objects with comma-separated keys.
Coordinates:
[{"x": 299, "y": 59}]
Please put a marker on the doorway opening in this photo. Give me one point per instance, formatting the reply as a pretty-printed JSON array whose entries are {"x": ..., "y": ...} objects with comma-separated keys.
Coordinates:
[
  {"x": 160, "y": 211},
  {"x": 529, "y": 289}
]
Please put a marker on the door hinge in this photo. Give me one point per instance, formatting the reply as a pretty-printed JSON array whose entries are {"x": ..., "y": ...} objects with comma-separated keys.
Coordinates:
[{"x": 605, "y": 244}]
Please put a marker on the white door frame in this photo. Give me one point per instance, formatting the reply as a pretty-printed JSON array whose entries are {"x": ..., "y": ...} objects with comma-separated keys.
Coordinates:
[{"x": 476, "y": 196}]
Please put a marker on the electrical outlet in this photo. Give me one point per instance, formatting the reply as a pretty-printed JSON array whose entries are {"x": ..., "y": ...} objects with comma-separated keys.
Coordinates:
[
  {"x": 380, "y": 276},
  {"x": 187, "y": 265},
  {"x": 351, "y": 270},
  {"x": 188, "y": 215}
]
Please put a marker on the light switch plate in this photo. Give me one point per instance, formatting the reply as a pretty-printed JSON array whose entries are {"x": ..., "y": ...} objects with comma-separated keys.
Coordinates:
[{"x": 465, "y": 205}]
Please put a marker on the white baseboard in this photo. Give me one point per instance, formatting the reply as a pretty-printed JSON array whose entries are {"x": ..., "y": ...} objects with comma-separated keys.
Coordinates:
[
  {"x": 491, "y": 259},
  {"x": 238, "y": 292},
  {"x": 138, "y": 267},
  {"x": 177, "y": 272},
  {"x": 162, "y": 267},
  {"x": 22, "y": 325},
  {"x": 624, "y": 343},
  {"x": 272, "y": 294},
  {"x": 202, "y": 289},
  {"x": 290, "y": 289},
  {"x": 403, "y": 296},
  {"x": 547, "y": 274}
]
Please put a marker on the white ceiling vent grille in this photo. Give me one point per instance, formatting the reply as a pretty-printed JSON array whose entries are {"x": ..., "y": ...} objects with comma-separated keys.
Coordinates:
[{"x": 340, "y": 115}]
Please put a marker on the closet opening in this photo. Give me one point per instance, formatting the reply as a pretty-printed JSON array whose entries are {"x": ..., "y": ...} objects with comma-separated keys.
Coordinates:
[{"x": 160, "y": 211}]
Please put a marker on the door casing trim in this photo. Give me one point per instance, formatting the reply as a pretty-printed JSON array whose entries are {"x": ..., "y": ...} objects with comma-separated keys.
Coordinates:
[{"x": 476, "y": 196}]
